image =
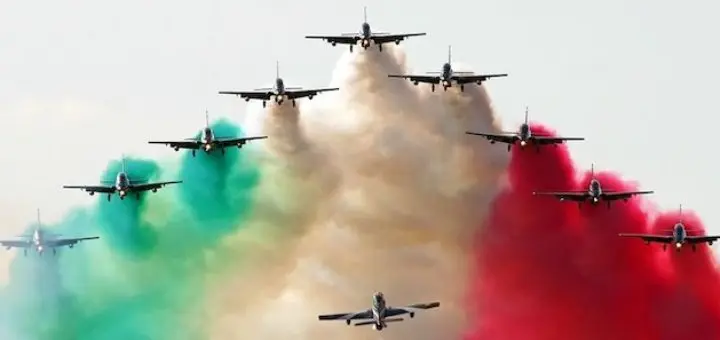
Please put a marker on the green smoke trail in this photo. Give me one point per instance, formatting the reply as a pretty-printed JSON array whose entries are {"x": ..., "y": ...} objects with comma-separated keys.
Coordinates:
[{"x": 144, "y": 279}]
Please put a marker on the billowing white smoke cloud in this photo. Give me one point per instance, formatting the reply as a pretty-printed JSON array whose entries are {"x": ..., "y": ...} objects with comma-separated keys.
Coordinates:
[{"x": 382, "y": 190}]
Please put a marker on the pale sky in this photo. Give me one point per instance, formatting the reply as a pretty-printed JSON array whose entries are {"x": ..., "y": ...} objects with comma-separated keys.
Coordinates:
[{"x": 83, "y": 81}]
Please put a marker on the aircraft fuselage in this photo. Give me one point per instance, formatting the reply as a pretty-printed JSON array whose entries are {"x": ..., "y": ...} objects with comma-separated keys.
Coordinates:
[
  {"x": 37, "y": 241},
  {"x": 207, "y": 139},
  {"x": 378, "y": 310},
  {"x": 446, "y": 74},
  {"x": 595, "y": 191},
  {"x": 524, "y": 134},
  {"x": 366, "y": 34},
  {"x": 679, "y": 235},
  {"x": 122, "y": 183}
]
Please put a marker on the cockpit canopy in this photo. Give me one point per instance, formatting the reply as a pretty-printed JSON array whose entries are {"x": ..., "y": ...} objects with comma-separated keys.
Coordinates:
[
  {"x": 279, "y": 84},
  {"x": 366, "y": 29},
  {"x": 207, "y": 133},
  {"x": 378, "y": 299},
  {"x": 446, "y": 69},
  {"x": 525, "y": 130}
]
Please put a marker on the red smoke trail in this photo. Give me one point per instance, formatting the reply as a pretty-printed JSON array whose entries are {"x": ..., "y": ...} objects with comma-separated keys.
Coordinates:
[{"x": 548, "y": 270}]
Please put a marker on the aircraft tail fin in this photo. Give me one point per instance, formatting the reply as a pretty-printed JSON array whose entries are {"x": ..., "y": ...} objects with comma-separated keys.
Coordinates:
[
  {"x": 592, "y": 170},
  {"x": 122, "y": 162},
  {"x": 449, "y": 54},
  {"x": 681, "y": 215},
  {"x": 38, "y": 218},
  {"x": 277, "y": 69},
  {"x": 207, "y": 118},
  {"x": 365, "y": 14},
  {"x": 526, "y": 114}
]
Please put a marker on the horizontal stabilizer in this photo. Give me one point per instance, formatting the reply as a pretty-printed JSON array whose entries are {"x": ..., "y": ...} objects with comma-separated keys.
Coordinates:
[
  {"x": 365, "y": 323},
  {"x": 393, "y": 319}
]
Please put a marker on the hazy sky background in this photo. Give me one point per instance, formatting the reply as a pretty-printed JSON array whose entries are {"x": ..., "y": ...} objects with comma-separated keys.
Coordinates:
[{"x": 83, "y": 81}]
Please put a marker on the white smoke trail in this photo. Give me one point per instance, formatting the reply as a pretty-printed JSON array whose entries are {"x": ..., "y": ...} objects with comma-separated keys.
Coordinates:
[{"x": 402, "y": 189}]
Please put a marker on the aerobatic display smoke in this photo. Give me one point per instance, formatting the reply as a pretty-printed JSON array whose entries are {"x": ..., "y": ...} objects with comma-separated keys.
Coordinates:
[
  {"x": 145, "y": 277},
  {"x": 404, "y": 188},
  {"x": 548, "y": 270},
  {"x": 372, "y": 188},
  {"x": 375, "y": 187}
]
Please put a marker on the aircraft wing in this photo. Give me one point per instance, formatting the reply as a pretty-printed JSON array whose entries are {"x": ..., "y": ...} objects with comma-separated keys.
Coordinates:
[
  {"x": 554, "y": 140},
  {"x": 701, "y": 239},
  {"x": 92, "y": 188},
  {"x": 577, "y": 196},
  {"x": 473, "y": 78},
  {"x": 650, "y": 238},
  {"x": 262, "y": 95},
  {"x": 621, "y": 195},
  {"x": 151, "y": 186},
  {"x": 185, "y": 144},
  {"x": 416, "y": 78},
  {"x": 394, "y": 311},
  {"x": 16, "y": 244},
  {"x": 292, "y": 94},
  {"x": 237, "y": 141},
  {"x": 337, "y": 39},
  {"x": 386, "y": 38},
  {"x": 364, "y": 315},
  {"x": 502, "y": 138},
  {"x": 69, "y": 241}
]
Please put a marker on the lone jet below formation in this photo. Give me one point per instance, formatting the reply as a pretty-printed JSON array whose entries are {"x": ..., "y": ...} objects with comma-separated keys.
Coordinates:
[
  {"x": 122, "y": 185},
  {"x": 380, "y": 314},
  {"x": 208, "y": 141},
  {"x": 41, "y": 240},
  {"x": 447, "y": 76},
  {"x": 679, "y": 237},
  {"x": 524, "y": 136},
  {"x": 365, "y": 36},
  {"x": 279, "y": 91},
  {"x": 594, "y": 194}
]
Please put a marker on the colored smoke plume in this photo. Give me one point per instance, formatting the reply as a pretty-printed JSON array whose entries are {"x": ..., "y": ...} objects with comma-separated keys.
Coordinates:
[
  {"x": 548, "y": 270},
  {"x": 405, "y": 190},
  {"x": 145, "y": 277}
]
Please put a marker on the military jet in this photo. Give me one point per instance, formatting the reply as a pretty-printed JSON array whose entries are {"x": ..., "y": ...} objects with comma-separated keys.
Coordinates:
[
  {"x": 447, "y": 76},
  {"x": 122, "y": 185},
  {"x": 40, "y": 240},
  {"x": 365, "y": 36},
  {"x": 594, "y": 194},
  {"x": 208, "y": 141},
  {"x": 679, "y": 237},
  {"x": 279, "y": 92},
  {"x": 379, "y": 314},
  {"x": 524, "y": 137}
]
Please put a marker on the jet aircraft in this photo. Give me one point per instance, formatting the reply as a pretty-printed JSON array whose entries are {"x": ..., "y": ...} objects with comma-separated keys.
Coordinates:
[
  {"x": 40, "y": 240},
  {"x": 524, "y": 136},
  {"x": 208, "y": 141},
  {"x": 122, "y": 185},
  {"x": 279, "y": 91},
  {"x": 594, "y": 193},
  {"x": 365, "y": 36},
  {"x": 679, "y": 237},
  {"x": 447, "y": 76},
  {"x": 379, "y": 314}
]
